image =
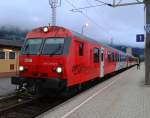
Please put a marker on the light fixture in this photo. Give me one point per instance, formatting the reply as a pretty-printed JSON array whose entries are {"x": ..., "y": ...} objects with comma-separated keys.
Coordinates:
[
  {"x": 45, "y": 29},
  {"x": 8, "y": 50},
  {"x": 140, "y": 0},
  {"x": 86, "y": 24},
  {"x": 21, "y": 68},
  {"x": 59, "y": 70}
]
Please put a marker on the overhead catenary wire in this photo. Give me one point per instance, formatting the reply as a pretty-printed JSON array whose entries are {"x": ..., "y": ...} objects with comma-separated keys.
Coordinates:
[
  {"x": 90, "y": 19},
  {"x": 108, "y": 4},
  {"x": 105, "y": 3},
  {"x": 121, "y": 5},
  {"x": 118, "y": 2},
  {"x": 105, "y": 20},
  {"x": 91, "y": 6}
]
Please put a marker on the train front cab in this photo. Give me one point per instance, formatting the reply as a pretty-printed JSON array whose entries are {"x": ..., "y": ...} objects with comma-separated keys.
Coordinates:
[{"x": 44, "y": 61}]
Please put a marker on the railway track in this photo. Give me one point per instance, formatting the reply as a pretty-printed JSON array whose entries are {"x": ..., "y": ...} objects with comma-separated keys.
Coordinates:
[
  {"x": 16, "y": 107},
  {"x": 30, "y": 108}
]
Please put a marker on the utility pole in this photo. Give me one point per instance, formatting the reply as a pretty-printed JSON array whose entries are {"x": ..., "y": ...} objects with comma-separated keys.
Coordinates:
[
  {"x": 147, "y": 45},
  {"x": 54, "y": 4}
]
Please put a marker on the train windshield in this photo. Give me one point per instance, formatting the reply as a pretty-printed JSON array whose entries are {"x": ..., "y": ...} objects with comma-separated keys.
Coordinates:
[
  {"x": 53, "y": 46},
  {"x": 32, "y": 47}
]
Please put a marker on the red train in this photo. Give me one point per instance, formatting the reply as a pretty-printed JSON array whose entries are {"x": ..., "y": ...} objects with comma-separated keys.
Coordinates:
[{"x": 55, "y": 58}]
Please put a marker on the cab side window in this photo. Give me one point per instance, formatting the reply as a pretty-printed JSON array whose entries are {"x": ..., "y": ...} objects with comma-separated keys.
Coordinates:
[{"x": 81, "y": 46}]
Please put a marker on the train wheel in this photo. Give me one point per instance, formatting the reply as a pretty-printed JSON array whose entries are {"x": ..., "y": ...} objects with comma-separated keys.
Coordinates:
[
  {"x": 79, "y": 87},
  {"x": 69, "y": 92}
]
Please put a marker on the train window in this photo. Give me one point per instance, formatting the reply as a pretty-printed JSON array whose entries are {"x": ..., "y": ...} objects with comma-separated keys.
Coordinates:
[
  {"x": 32, "y": 46},
  {"x": 12, "y": 55},
  {"x": 81, "y": 49},
  {"x": 120, "y": 58},
  {"x": 96, "y": 55},
  {"x": 2, "y": 55},
  {"x": 109, "y": 57},
  {"x": 102, "y": 56},
  {"x": 125, "y": 58},
  {"x": 113, "y": 57},
  {"x": 53, "y": 46},
  {"x": 116, "y": 57}
]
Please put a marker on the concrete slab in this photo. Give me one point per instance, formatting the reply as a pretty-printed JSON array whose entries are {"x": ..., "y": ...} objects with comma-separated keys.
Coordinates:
[
  {"x": 6, "y": 87},
  {"x": 123, "y": 96}
]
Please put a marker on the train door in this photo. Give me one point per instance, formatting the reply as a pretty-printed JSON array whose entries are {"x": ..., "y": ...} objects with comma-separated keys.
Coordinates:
[{"x": 102, "y": 63}]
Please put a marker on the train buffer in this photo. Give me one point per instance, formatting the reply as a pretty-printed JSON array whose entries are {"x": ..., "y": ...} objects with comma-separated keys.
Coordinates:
[{"x": 122, "y": 96}]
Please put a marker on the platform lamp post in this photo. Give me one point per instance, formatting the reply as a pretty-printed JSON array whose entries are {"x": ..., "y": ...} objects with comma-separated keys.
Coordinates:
[{"x": 84, "y": 26}]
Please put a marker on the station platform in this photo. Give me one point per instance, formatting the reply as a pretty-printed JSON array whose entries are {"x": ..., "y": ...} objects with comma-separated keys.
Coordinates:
[
  {"x": 6, "y": 87},
  {"x": 122, "y": 96}
]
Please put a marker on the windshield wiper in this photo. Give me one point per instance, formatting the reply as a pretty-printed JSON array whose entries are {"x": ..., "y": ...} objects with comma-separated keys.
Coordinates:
[{"x": 56, "y": 50}]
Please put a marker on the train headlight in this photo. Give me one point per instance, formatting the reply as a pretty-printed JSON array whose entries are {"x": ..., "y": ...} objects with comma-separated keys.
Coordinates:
[
  {"x": 21, "y": 68},
  {"x": 45, "y": 29},
  {"x": 59, "y": 70}
]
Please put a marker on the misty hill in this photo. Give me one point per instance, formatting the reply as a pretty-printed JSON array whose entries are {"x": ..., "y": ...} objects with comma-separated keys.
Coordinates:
[
  {"x": 12, "y": 33},
  {"x": 138, "y": 52}
]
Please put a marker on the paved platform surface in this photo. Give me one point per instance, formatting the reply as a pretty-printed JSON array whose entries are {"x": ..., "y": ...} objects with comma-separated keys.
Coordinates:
[
  {"x": 123, "y": 96},
  {"x": 6, "y": 87}
]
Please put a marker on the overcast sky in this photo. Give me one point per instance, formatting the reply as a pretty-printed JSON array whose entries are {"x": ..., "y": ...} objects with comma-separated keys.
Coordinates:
[{"x": 105, "y": 23}]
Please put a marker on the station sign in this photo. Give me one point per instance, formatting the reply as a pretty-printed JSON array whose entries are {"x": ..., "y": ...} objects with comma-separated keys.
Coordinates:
[{"x": 140, "y": 38}]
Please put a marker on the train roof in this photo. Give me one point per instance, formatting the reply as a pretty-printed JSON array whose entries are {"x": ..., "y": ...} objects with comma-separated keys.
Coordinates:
[{"x": 94, "y": 41}]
